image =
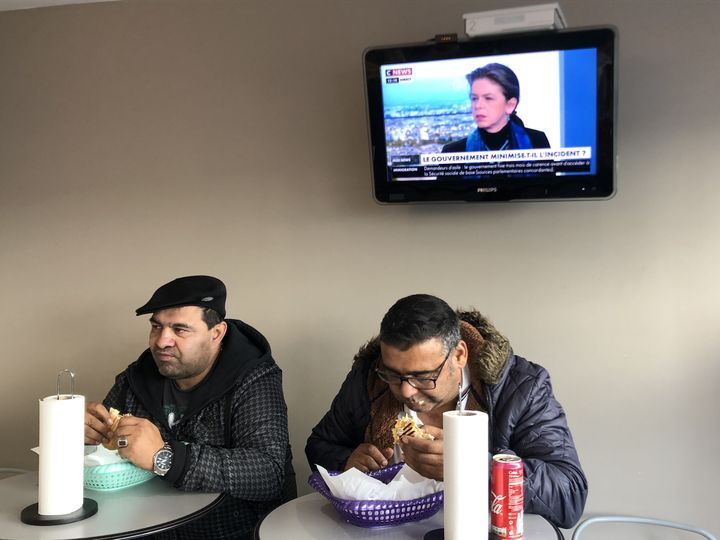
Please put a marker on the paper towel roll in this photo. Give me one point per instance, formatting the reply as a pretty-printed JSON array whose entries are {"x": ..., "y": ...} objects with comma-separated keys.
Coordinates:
[
  {"x": 62, "y": 433},
  {"x": 465, "y": 469}
]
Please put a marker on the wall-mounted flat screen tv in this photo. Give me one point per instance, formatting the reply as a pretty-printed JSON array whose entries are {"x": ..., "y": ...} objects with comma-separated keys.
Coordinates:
[{"x": 497, "y": 118}]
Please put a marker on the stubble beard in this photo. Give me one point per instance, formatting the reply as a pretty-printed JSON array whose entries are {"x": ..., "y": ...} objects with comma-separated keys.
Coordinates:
[{"x": 170, "y": 369}]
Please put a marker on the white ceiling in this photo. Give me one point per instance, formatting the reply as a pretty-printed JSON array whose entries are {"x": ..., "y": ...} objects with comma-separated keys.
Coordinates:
[{"x": 8, "y": 5}]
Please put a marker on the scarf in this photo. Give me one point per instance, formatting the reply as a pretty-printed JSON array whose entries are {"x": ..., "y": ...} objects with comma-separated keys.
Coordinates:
[{"x": 519, "y": 139}]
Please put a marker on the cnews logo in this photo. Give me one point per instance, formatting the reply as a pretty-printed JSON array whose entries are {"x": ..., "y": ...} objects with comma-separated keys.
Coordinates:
[{"x": 398, "y": 72}]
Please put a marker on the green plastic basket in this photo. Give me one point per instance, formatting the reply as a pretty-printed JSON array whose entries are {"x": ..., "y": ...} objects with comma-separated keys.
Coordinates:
[{"x": 115, "y": 476}]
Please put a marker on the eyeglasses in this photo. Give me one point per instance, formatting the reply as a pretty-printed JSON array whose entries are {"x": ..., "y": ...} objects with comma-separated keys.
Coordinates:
[{"x": 421, "y": 383}]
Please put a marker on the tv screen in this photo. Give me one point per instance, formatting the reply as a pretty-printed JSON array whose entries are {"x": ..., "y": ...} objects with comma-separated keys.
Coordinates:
[{"x": 498, "y": 118}]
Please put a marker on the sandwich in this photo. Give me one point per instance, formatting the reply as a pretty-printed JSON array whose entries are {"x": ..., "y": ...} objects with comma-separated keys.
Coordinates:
[
  {"x": 406, "y": 426},
  {"x": 116, "y": 416}
]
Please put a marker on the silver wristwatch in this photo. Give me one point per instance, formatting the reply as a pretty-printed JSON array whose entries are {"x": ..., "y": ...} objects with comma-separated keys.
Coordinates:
[{"x": 162, "y": 460}]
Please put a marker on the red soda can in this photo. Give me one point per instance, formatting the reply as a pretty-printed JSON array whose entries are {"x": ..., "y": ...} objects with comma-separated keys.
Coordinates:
[{"x": 506, "y": 496}]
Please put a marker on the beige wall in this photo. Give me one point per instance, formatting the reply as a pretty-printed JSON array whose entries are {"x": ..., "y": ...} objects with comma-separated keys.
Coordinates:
[{"x": 144, "y": 140}]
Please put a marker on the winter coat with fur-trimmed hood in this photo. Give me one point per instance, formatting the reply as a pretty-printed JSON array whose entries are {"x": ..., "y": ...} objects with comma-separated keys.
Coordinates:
[{"x": 524, "y": 419}]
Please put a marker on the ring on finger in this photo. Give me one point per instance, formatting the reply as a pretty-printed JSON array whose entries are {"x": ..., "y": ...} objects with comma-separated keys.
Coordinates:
[{"x": 122, "y": 442}]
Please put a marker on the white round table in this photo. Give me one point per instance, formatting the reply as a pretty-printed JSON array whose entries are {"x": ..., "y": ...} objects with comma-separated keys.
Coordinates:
[
  {"x": 128, "y": 513},
  {"x": 312, "y": 517}
]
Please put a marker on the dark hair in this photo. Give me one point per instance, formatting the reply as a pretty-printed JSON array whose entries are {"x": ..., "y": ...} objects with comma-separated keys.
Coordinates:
[
  {"x": 211, "y": 317},
  {"x": 417, "y": 318},
  {"x": 501, "y": 75}
]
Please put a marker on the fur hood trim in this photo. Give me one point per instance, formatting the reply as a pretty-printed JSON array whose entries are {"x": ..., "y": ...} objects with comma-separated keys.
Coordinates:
[{"x": 489, "y": 355}]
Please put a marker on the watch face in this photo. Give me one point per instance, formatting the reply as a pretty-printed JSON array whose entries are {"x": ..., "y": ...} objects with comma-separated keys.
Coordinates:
[{"x": 163, "y": 460}]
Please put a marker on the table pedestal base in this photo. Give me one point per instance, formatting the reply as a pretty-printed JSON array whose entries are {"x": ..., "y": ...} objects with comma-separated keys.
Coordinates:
[{"x": 435, "y": 534}]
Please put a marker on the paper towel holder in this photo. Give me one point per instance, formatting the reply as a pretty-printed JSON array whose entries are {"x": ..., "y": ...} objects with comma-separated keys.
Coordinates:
[
  {"x": 72, "y": 384},
  {"x": 30, "y": 514}
]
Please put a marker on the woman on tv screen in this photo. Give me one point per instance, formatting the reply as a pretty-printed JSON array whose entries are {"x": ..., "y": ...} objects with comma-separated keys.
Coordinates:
[{"x": 494, "y": 97}]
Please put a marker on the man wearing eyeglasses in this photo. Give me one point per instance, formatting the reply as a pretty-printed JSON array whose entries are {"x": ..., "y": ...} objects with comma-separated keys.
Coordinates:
[{"x": 427, "y": 359}]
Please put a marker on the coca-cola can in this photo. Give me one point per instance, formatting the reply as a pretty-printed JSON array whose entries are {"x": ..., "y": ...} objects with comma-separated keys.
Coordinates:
[{"x": 506, "y": 496}]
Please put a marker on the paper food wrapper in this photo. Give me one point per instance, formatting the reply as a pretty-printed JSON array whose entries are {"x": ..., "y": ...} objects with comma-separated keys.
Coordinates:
[
  {"x": 95, "y": 455},
  {"x": 353, "y": 485},
  {"x": 99, "y": 455}
]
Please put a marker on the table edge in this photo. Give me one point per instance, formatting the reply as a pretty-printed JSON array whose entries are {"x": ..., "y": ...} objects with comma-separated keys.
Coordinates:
[
  {"x": 168, "y": 525},
  {"x": 256, "y": 529}
]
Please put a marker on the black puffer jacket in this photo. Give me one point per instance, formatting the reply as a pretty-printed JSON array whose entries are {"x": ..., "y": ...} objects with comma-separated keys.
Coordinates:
[{"x": 524, "y": 419}]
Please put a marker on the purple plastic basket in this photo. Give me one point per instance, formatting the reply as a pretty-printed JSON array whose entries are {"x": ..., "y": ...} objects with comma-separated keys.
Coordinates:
[{"x": 379, "y": 513}]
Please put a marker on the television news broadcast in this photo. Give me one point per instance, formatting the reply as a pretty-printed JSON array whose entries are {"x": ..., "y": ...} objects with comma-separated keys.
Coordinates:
[
  {"x": 462, "y": 124},
  {"x": 427, "y": 105}
]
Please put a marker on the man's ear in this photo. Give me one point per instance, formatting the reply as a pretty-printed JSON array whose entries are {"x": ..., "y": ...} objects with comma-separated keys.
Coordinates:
[
  {"x": 461, "y": 354},
  {"x": 218, "y": 331}
]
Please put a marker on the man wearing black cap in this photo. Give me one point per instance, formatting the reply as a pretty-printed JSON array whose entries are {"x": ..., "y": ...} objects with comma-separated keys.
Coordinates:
[{"x": 207, "y": 409}]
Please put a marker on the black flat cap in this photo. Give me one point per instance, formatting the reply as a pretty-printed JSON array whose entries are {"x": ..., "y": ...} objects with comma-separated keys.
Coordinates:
[{"x": 203, "y": 291}]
